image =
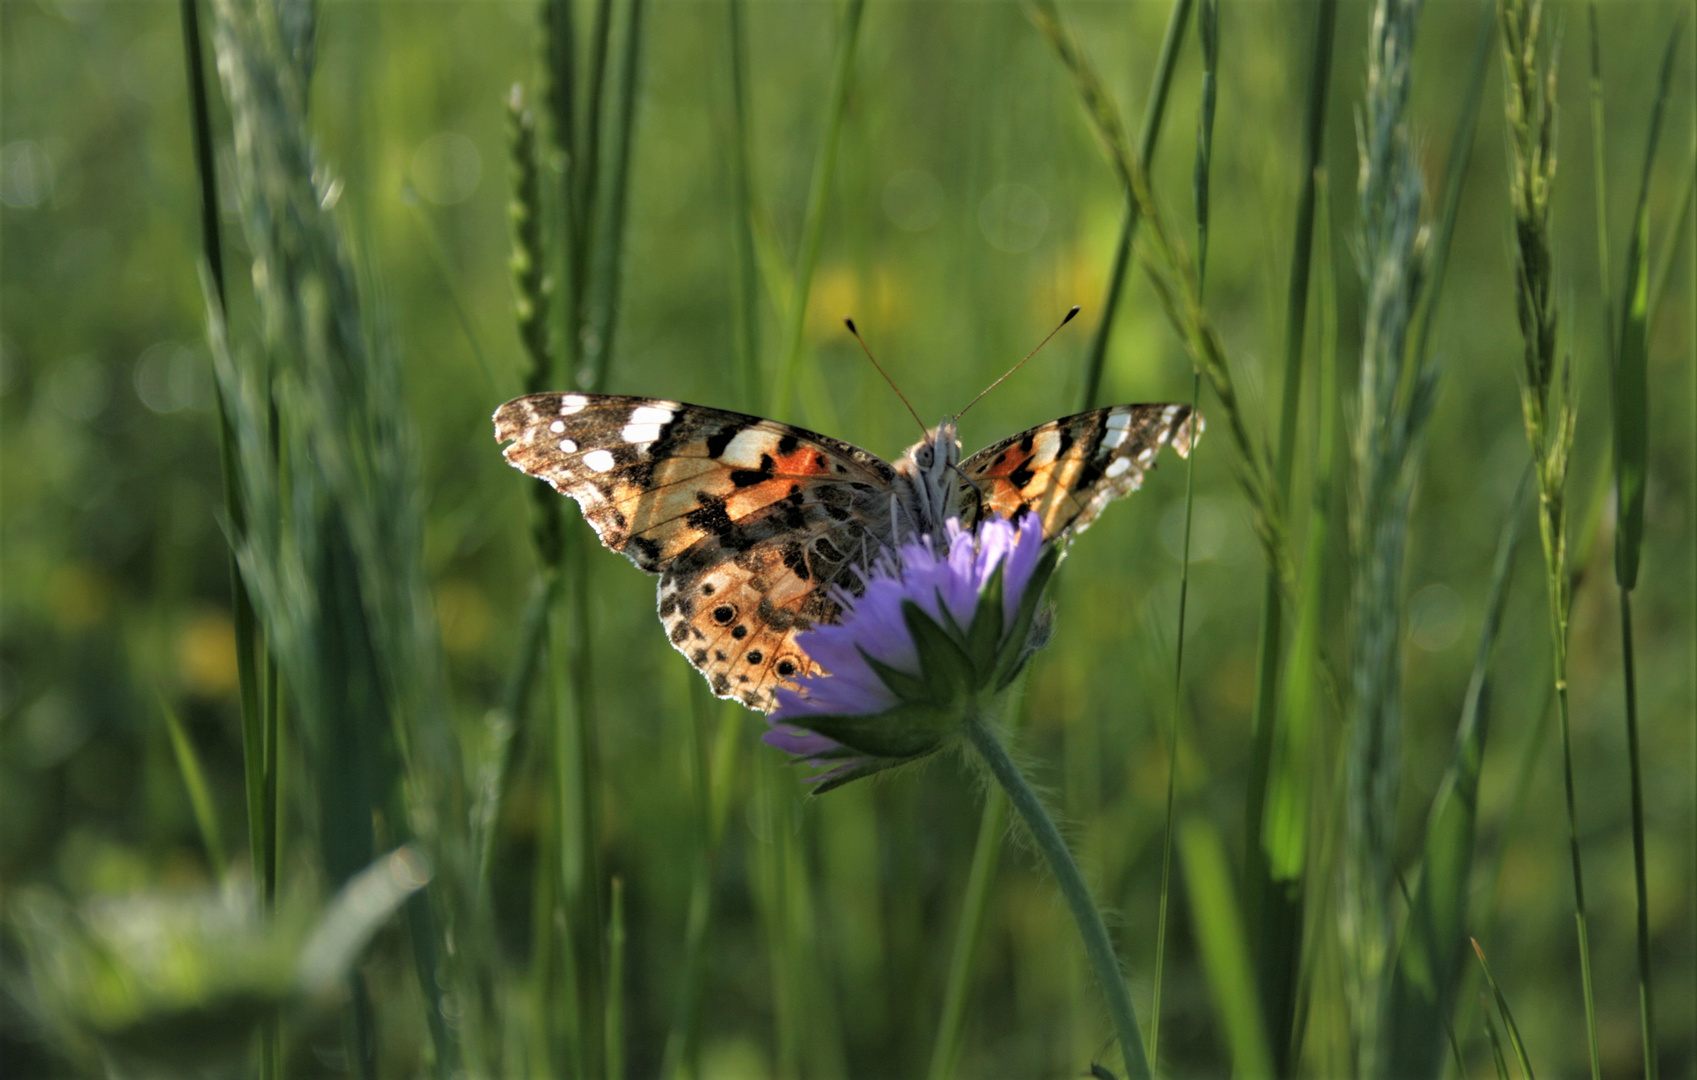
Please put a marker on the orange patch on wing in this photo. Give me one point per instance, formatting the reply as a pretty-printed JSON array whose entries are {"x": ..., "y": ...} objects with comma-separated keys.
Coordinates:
[{"x": 803, "y": 461}]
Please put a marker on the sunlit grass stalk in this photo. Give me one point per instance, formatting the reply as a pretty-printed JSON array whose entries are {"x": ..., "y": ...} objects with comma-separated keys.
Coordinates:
[
  {"x": 1549, "y": 418},
  {"x": 1392, "y": 403},
  {"x": 1208, "y": 37},
  {"x": 789, "y": 375},
  {"x": 1154, "y": 112},
  {"x": 1173, "y": 277},
  {"x": 1631, "y": 415},
  {"x": 1275, "y": 862}
]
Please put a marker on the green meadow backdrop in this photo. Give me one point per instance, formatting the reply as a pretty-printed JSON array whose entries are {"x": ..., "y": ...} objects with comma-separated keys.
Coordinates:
[{"x": 273, "y": 606}]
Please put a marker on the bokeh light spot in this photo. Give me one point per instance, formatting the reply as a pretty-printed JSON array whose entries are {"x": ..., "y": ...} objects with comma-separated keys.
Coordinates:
[{"x": 446, "y": 168}]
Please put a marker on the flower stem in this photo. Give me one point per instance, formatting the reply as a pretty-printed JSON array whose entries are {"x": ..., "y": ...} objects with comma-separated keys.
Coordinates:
[{"x": 1091, "y": 929}]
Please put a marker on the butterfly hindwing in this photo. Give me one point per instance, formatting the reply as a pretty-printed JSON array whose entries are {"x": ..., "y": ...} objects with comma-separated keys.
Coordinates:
[
  {"x": 1067, "y": 470},
  {"x": 747, "y": 521}
]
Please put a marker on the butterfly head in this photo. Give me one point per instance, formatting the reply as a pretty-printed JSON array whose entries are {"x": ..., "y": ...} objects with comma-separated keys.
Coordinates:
[{"x": 926, "y": 489}]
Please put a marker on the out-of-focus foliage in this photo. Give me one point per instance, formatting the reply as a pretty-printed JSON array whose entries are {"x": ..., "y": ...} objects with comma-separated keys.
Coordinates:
[{"x": 970, "y": 208}]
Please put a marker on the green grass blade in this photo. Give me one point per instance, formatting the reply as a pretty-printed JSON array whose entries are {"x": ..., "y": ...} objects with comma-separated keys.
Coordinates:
[
  {"x": 1646, "y": 983},
  {"x": 1432, "y": 955},
  {"x": 584, "y": 193},
  {"x": 1208, "y": 30},
  {"x": 1509, "y": 1025},
  {"x": 1631, "y": 381},
  {"x": 248, "y": 641},
  {"x": 609, "y": 248},
  {"x": 746, "y": 324},
  {"x": 1225, "y": 955},
  {"x": 683, "y": 1042},
  {"x": 1630, "y": 402},
  {"x": 616, "y": 983},
  {"x": 1599, "y": 170},
  {"x": 963, "y": 958},
  {"x": 1496, "y": 1044},
  {"x": 194, "y": 783},
  {"x": 1273, "y": 886},
  {"x": 1455, "y": 175},
  {"x": 816, "y": 406},
  {"x": 1153, "y": 114},
  {"x": 1675, "y": 238}
]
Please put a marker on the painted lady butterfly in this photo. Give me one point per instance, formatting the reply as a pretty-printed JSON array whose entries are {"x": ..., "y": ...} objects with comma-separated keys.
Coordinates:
[{"x": 749, "y": 522}]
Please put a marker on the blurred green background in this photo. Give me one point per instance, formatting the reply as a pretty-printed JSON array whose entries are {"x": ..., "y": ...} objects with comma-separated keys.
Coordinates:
[{"x": 969, "y": 209}]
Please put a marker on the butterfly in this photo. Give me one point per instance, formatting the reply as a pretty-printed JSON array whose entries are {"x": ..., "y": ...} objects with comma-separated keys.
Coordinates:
[{"x": 755, "y": 527}]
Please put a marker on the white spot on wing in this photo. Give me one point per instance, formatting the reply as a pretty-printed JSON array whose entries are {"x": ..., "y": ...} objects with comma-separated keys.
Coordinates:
[
  {"x": 651, "y": 414},
  {"x": 1119, "y": 467},
  {"x": 598, "y": 460},
  {"x": 641, "y": 433},
  {"x": 744, "y": 450},
  {"x": 567, "y": 446},
  {"x": 572, "y": 403},
  {"x": 1113, "y": 437},
  {"x": 557, "y": 426},
  {"x": 1120, "y": 421}
]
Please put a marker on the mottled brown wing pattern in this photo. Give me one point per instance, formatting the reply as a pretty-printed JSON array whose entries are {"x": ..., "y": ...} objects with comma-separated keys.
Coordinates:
[
  {"x": 747, "y": 521},
  {"x": 1067, "y": 470}
]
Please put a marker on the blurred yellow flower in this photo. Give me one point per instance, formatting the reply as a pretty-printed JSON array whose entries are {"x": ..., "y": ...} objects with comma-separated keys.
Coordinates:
[
  {"x": 464, "y": 617},
  {"x": 206, "y": 653}
]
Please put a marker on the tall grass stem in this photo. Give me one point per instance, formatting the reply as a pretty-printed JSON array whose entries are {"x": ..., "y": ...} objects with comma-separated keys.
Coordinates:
[
  {"x": 1154, "y": 112},
  {"x": 789, "y": 375}
]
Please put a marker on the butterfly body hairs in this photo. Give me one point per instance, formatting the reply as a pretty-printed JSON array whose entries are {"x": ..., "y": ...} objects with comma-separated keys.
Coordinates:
[{"x": 755, "y": 527}]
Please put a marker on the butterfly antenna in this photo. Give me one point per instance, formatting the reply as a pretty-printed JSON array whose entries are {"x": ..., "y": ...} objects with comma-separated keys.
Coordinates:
[
  {"x": 850, "y": 324},
  {"x": 1016, "y": 367}
]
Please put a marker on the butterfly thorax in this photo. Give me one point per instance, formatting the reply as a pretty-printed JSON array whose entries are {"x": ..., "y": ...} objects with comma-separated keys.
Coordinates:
[{"x": 928, "y": 488}]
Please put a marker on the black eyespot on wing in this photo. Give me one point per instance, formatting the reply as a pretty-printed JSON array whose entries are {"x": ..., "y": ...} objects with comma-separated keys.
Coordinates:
[
  {"x": 785, "y": 668},
  {"x": 724, "y": 614},
  {"x": 740, "y": 632},
  {"x": 754, "y": 656}
]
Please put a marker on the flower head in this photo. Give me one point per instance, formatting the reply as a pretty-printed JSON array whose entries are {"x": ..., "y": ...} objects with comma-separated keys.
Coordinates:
[{"x": 943, "y": 623}]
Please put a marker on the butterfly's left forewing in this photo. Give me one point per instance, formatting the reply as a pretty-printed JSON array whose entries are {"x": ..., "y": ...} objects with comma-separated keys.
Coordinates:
[
  {"x": 1067, "y": 470},
  {"x": 748, "y": 522}
]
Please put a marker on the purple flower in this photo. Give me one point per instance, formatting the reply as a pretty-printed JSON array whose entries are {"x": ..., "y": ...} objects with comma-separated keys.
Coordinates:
[{"x": 941, "y": 626}]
